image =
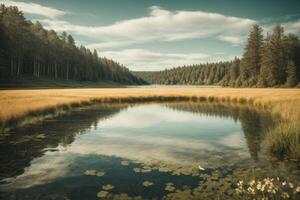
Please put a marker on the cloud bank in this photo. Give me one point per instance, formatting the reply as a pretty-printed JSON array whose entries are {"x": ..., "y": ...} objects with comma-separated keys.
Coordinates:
[
  {"x": 292, "y": 27},
  {"x": 161, "y": 25},
  {"x": 142, "y": 59},
  {"x": 117, "y": 40}
]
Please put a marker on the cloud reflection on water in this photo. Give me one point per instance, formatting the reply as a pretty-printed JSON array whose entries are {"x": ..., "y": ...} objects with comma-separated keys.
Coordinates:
[{"x": 122, "y": 136}]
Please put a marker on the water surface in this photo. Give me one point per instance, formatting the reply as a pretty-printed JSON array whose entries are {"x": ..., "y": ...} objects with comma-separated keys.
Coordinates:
[{"x": 144, "y": 151}]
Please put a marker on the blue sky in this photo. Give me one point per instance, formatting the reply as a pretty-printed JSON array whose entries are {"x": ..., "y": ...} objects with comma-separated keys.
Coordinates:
[{"x": 157, "y": 34}]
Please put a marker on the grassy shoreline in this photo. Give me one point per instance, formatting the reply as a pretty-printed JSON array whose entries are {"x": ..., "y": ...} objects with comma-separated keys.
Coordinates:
[{"x": 283, "y": 141}]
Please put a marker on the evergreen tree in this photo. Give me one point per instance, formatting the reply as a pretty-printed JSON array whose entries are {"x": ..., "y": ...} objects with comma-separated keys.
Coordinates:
[
  {"x": 274, "y": 59},
  {"x": 27, "y": 48},
  {"x": 292, "y": 46},
  {"x": 292, "y": 78},
  {"x": 234, "y": 71},
  {"x": 250, "y": 65}
]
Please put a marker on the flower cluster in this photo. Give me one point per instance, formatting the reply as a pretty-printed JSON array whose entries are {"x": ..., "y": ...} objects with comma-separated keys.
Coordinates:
[{"x": 268, "y": 188}]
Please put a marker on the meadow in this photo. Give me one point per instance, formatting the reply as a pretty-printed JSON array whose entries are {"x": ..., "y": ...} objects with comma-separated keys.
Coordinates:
[{"x": 283, "y": 141}]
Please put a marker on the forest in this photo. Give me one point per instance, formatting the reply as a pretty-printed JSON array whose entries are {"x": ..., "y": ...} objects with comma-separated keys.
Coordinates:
[
  {"x": 28, "y": 49},
  {"x": 271, "y": 61}
]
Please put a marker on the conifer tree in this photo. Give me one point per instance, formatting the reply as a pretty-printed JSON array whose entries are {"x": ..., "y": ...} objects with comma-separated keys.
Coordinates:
[
  {"x": 29, "y": 49},
  {"x": 274, "y": 59},
  {"x": 234, "y": 71},
  {"x": 292, "y": 78},
  {"x": 250, "y": 65},
  {"x": 292, "y": 46}
]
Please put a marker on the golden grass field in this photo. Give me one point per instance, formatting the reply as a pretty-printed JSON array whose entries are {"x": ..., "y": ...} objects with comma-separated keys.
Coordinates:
[{"x": 19, "y": 103}]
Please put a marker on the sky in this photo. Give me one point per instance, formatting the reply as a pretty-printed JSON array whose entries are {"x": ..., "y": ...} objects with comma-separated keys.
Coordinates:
[{"x": 151, "y": 35}]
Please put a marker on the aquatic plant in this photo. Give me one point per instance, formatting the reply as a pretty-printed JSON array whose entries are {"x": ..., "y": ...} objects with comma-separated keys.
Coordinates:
[
  {"x": 108, "y": 187},
  {"x": 147, "y": 183},
  {"x": 100, "y": 173},
  {"x": 170, "y": 187},
  {"x": 92, "y": 172},
  {"x": 102, "y": 194}
]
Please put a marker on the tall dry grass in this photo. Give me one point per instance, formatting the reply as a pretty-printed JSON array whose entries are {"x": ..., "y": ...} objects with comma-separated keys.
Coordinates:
[{"x": 283, "y": 139}]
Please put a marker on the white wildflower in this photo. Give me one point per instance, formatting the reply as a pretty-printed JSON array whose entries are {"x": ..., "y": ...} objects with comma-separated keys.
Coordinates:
[
  {"x": 251, "y": 190},
  {"x": 262, "y": 188},
  {"x": 258, "y": 186},
  {"x": 251, "y": 183},
  {"x": 283, "y": 183}
]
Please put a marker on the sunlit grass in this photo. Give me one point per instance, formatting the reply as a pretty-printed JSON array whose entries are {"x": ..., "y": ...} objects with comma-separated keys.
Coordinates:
[{"x": 282, "y": 141}]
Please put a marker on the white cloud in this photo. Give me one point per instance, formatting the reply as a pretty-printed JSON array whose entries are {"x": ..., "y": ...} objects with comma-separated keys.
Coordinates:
[
  {"x": 33, "y": 8},
  {"x": 160, "y": 25},
  {"x": 142, "y": 59},
  {"x": 235, "y": 40},
  {"x": 292, "y": 27},
  {"x": 234, "y": 140}
]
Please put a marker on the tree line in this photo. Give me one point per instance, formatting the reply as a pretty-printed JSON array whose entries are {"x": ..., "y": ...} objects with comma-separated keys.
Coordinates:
[
  {"x": 28, "y": 49},
  {"x": 202, "y": 74},
  {"x": 269, "y": 61}
]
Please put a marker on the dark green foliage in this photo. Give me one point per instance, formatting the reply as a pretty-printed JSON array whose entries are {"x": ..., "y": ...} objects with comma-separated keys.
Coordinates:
[
  {"x": 292, "y": 78},
  {"x": 251, "y": 61},
  {"x": 234, "y": 72},
  {"x": 269, "y": 62},
  {"x": 274, "y": 59},
  {"x": 292, "y": 46},
  {"x": 203, "y": 74},
  {"x": 27, "y": 48}
]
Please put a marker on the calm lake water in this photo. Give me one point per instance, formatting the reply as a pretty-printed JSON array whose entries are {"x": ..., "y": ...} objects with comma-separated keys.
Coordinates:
[{"x": 149, "y": 151}]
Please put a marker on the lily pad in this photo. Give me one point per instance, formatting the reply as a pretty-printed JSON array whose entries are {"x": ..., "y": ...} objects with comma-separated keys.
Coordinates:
[
  {"x": 40, "y": 136},
  {"x": 147, "y": 183},
  {"x": 100, "y": 173},
  {"x": 108, "y": 187},
  {"x": 146, "y": 170},
  {"x": 90, "y": 172},
  {"x": 170, "y": 187},
  {"x": 102, "y": 194}
]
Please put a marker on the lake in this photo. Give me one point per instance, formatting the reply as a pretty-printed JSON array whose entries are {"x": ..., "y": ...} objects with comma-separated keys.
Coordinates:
[{"x": 182, "y": 150}]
